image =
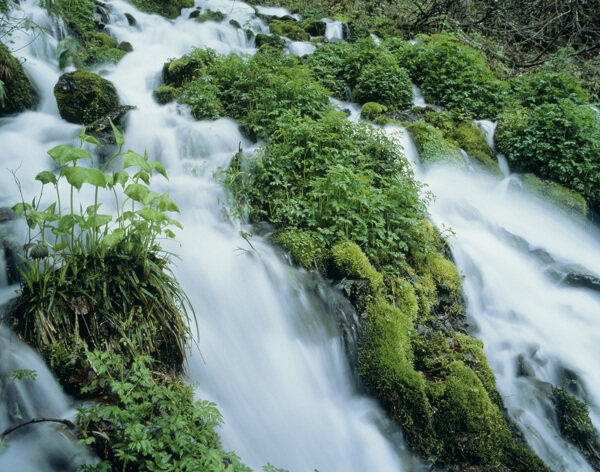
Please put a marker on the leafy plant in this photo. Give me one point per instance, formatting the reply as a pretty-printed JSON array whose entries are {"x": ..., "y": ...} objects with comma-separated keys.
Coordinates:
[
  {"x": 93, "y": 279},
  {"x": 151, "y": 421}
]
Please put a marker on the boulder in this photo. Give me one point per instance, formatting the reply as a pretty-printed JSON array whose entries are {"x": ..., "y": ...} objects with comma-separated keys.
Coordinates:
[{"x": 84, "y": 97}]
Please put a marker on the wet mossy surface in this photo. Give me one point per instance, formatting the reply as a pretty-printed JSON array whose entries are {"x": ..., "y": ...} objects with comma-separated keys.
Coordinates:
[
  {"x": 167, "y": 8},
  {"x": 19, "y": 93},
  {"x": 432, "y": 146},
  {"x": 84, "y": 97},
  {"x": 569, "y": 200}
]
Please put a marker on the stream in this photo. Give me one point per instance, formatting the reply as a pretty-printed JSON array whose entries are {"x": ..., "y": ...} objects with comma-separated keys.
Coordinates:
[{"x": 270, "y": 352}]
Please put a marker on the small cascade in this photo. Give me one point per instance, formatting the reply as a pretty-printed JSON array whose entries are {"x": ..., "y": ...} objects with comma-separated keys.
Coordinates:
[{"x": 334, "y": 30}]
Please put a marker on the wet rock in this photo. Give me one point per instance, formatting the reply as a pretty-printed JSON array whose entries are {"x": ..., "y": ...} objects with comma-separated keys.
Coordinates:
[
  {"x": 582, "y": 281},
  {"x": 315, "y": 28},
  {"x": 84, "y": 97},
  {"x": 125, "y": 46},
  {"x": 130, "y": 19},
  {"x": 101, "y": 128}
]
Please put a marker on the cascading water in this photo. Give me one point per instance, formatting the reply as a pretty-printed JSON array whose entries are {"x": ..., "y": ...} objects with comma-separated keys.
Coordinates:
[{"x": 270, "y": 352}]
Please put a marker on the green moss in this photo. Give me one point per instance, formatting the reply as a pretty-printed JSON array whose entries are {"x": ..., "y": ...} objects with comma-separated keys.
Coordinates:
[
  {"x": 84, "y": 97},
  {"x": 576, "y": 425},
  {"x": 166, "y": 8},
  {"x": 569, "y": 200},
  {"x": 269, "y": 41},
  {"x": 235, "y": 24},
  {"x": 302, "y": 246},
  {"x": 125, "y": 46},
  {"x": 18, "y": 92},
  {"x": 210, "y": 15},
  {"x": 103, "y": 39},
  {"x": 182, "y": 70},
  {"x": 471, "y": 139},
  {"x": 289, "y": 29},
  {"x": 442, "y": 271},
  {"x": 78, "y": 15},
  {"x": 315, "y": 27},
  {"x": 470, "y": 424},
  {"x": 385, "y": 365},
  {"x": 432, "y": 146},
  {"x": 352, "y": 263},
  {"x": 166, "y": 94},
  {"x": 372, "y": 111}
]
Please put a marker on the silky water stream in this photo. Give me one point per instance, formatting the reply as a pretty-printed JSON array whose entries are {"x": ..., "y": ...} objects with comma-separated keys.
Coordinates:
[{"x": 271, "y": 355}]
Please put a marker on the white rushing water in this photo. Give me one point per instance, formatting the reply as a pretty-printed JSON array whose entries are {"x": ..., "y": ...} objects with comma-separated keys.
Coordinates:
[{"x": 271, "y": 355}]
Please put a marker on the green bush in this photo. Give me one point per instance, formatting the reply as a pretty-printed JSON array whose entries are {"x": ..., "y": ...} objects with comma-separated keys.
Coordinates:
[
  {"x": 454, "y": 75},
  {"x": 151, "y": 422},
  {"x": 383, "y": 81},
  {"x": 556, "y": 141},
  {"x": 547, "y": 87},
  {"x": 339, "y": 180}
]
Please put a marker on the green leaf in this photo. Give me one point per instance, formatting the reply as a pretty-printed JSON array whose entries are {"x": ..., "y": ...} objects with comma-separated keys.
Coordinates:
[
  {"x": 65, "y": 154},
  {"x": 20, "y": 208},
  {"x": 112, "y": 239},
  {"x": 108, "y": 178},
  {"x": 118, "y": 136},
  {"x": 158, "y": 167},
  {"x": 66, "y": 222},
  {"x": 141, "y": 193},
  {"x": 170, "y": 234},
  {"x": 46, "y": 177},
  {"x": 132, "y": 158},
  {"x": 77, "y": 176},
  {"x": 173, "y": 222},
  {"x": 142, "y": 175},
  {"x": 92, "y": 209},
  {"x": 86, "y": 137},
  {"x": 150, "y": 214},
  {"x": 120, "y": 177},
  {"x": 164, "y": 203},
  {"x": 60, "y": 246},
  {"x": 96, "y": 221}
]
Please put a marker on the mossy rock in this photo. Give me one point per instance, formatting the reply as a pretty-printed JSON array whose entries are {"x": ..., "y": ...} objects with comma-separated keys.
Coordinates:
[
  {"x": 272, "y": 41},
  {"x": 568, "y": 200},
  {"x": 103, "y": 39},
  {"x": 289, "y": 29},
  {"x": 186, "y": 68},
  {"x": 19, "y": 95},
  {"x": 167, "y": 8},
  {"x": 210, "y": 15},
  {"x": 166, "y": 94},
  {"x": 576, "y": 425},
  {"x": 302, "y": 246},
  {"x": 432, "y": 146},
  {"x": 84, "y": 97},
  {"x": 235, "y": 24},
  {"x": 125, "y": 46},
  {"x": 130, "y": 19},
  {"x": 373, "y": 111}
]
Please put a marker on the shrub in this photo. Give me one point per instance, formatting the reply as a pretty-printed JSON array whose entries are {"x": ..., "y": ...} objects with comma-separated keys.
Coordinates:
[
  {"x": 339, "y": 180},
  {"x": 547, "y": 87},
  {"x": 90, "y": 281},
  {"x": 151, "y": 421},
  {"x": 384, "y": 82},
  {"x": 454, "y": 75},
  {"x": 557, "y": 141}
]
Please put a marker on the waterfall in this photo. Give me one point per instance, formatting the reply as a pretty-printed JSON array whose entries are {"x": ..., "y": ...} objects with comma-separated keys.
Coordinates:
[{"x": 270, "y": 352}]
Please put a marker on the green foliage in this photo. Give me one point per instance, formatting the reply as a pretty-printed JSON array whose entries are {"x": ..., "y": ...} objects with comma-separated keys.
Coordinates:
[
  {"x": 454, "y": 75},
  {"x": 557, "y": 141},
  {"x": 84, "y": 97},
  {"x": 18, "y": 94},
  {"x": 151, "y": 423},
  {"x": 165, "y": 94},
  {"x": 371, "y": 71},
  {"x": 547, "y": 87},
  {"x": 383, "y": 81},
  {"x": 432, "y": 146},
  {"x": 91, "y": 280},
  {"x": 167, "y": 8},
  {"x": 269, "y": 41},
  {"x": 258, "y": 90},
  {"x": 576, "y": 425},
  {"x": 339, "y": 180}
]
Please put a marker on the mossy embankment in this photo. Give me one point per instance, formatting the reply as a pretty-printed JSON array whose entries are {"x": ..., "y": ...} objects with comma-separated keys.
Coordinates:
[
  {"x": 344, "y": 201},
  {"x": 17, "y": 92}
]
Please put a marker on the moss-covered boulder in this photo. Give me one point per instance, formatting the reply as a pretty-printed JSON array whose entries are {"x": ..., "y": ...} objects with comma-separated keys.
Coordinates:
[
  {"x": 289, "y": 29},
  {"x": 167, "y": 8},
  {"x": 18, "y": 95},
  {"x": 273, "y": 41},
  {"x": 373, "y": 111},
  {"x": 208, "y": 15},
  {"x": 569, "y": 200},
  {"x": 165, "y": 94},
  {"x": 432, "y": 145},
  {"x": 84, "y": 97},
  {"x": 315, "y": 27}
]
